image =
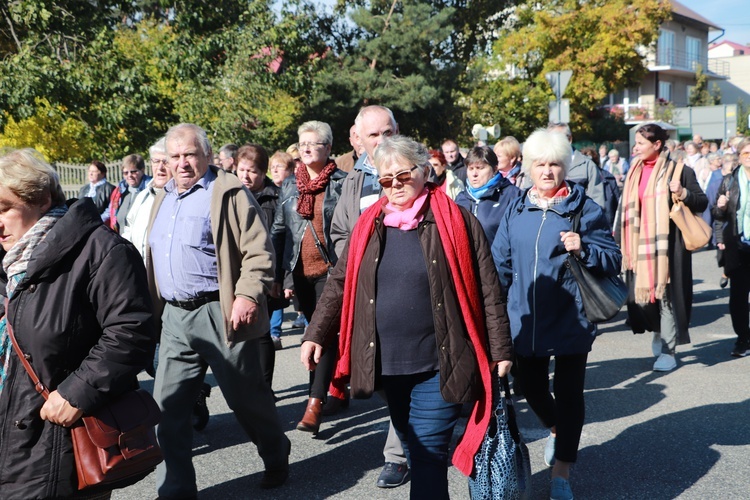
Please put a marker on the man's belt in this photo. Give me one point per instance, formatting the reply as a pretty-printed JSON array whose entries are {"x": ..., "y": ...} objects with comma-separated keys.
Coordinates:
[{"x": 193, "y": 304}]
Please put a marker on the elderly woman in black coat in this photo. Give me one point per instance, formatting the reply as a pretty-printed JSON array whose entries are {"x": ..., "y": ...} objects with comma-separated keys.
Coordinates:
[{"x": 80, "y": 310}]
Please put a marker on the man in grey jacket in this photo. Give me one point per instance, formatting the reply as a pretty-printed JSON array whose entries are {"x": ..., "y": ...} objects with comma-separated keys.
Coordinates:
[{"x": 582, "y": 170}]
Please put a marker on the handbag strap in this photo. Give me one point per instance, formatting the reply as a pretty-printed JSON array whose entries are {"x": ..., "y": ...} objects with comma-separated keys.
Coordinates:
[
  {"x": 510, "y": 411},
  {"x": 676, "y": 172},
  {"x": 319, "y": 246},
  {"x": 38, "y": 385}
]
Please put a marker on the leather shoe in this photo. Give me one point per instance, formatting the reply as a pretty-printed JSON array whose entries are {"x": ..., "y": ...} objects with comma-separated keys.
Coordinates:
[
  {"x": 313, "y": 415},
  {"x": 393, "y": 475},
  {"x": 275, "y": 477},
  {"x": 334, "y": 405}
]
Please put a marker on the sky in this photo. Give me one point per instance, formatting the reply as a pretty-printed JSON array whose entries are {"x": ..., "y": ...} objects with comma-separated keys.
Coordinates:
[{"x": 732, "y": 15}]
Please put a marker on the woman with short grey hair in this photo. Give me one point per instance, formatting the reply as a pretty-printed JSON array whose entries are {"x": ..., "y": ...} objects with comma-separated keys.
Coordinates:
[
  {"x": 535, "y": 238},
  {"x": 416, "y": 262}
]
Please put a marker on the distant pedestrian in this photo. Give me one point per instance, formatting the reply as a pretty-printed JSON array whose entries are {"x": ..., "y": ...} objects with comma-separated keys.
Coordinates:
[{"x": 98, "y": 189}]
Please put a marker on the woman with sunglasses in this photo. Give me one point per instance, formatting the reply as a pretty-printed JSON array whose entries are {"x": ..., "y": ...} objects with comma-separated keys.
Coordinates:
[
  {"x": 302, "y": 241},
  {"x": 418, "y": 302}
]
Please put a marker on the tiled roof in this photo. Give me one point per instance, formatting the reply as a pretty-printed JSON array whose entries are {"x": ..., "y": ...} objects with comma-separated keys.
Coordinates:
[{"x": 683, "y": 11}]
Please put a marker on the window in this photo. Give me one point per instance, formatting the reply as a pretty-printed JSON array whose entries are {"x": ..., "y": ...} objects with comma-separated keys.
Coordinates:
[
  {"x": 693, "y": 52},
  {"x": 665, "y": 90},
  {"x": 665, "y": 54}
]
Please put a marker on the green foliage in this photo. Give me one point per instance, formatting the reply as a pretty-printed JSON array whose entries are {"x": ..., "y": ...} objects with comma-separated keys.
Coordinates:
[
  {"x": 597, "y": 40},
  {"x": 700, "y": 95},
  {"x": 52, "y": 132},
  {"x": 743, "y": 111}
]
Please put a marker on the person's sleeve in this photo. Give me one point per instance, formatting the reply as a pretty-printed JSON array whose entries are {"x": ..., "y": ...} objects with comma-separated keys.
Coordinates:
[
  {"x": 278, "y": 236},
  {"x": 696, "y": 199},
  {"x": 501, "y": 251},
  {"x": 326, "y": 321},
  {"x": 718, "y": 213},
  {"x": 119, "y": 295},
  {"x": 493, "y": 294},
  {"x": 599, "y": 252},
  {"x": 341, "y": 224},
  {"x": 595, "y": 188},
  {"x": 258, "y": 258}
]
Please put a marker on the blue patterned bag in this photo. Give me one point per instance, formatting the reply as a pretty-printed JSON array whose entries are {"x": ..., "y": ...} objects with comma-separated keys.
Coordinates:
[{"x": 502, "y": 469}]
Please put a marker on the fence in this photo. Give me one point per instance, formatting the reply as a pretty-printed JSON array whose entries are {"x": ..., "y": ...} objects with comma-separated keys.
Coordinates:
[{"x": 74, "y": 176}]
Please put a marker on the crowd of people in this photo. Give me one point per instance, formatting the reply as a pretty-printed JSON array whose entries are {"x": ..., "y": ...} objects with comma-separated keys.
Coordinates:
[{"x": 423, "y": 273}]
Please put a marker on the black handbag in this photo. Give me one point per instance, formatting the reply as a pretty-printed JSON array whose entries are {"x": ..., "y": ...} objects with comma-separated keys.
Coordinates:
[
  {"x": 502, "y": 469},
  {"x": 602, "y": 296}
]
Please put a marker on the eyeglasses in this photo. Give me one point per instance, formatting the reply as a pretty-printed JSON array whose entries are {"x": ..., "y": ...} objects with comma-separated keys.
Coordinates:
[
  {"x": 746, "y": 154},
  {"x": 310, "y": 145},
  {"x": 125, "y": 173},
  {"x": 156, "y": 162},
  {"x": 403, "y": 177}
]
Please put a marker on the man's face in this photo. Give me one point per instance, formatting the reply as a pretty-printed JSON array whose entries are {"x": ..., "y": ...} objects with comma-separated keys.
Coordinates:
[
  {"x": 226, "y": 162},
  {"x": 374, "y": 126},
  {"x": 132, "y": 175},
  {"x": 450, "y": 151},
  {"x": 187, "y": 161},
  {"x": 160, "y": 168}
]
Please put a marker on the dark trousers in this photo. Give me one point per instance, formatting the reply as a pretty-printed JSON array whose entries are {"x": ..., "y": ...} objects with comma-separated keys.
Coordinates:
[
  {"x": 739, "y": 288},
  {"x": 424, "y": 422},
  {"x": 308, "y": 292},
  {"x": 267, "y": 352},
  {"x": 566, "y": 410}
]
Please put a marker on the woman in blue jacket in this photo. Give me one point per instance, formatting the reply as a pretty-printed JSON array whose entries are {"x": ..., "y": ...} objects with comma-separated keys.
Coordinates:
[
  {"x": 487, "y": 193},
  {"x": 544, "y": 304}
]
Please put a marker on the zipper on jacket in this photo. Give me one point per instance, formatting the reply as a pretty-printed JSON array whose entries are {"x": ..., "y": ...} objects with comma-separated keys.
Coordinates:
[{"x": 533, "y": 290}]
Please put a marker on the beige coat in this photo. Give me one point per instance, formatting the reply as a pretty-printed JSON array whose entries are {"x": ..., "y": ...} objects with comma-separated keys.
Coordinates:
[{"x": 245, "y": 257}]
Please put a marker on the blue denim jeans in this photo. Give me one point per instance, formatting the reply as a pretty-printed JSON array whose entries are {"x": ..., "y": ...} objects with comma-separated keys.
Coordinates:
[
  {"x": 277, "y": 317},
  {"x": 424, "y": 422}
]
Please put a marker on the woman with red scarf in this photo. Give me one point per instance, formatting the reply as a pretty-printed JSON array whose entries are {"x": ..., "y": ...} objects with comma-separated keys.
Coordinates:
[
  {"x": 422, "y": 315},
  {"x": 658, "y": 268},
  {"x": 302, "y": 241}
]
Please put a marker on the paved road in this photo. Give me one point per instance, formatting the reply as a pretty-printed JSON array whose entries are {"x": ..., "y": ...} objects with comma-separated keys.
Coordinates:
[{"x": 683, "y": 434}]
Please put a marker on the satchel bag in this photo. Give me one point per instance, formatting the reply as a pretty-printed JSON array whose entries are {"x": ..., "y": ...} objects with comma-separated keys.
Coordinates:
[
  {"x": 114, "y": 447},
  {"x": 502, "y": 469},
  {"x": 602, "y": 297},
  {"x": 696, "y": 233}
]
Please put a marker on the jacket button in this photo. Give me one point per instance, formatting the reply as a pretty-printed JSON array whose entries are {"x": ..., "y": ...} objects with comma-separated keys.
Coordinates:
[
  {"x": 442, "y": 347},
  {"x": 27, "y": 357},
  {"x": 372, "y": 344},
  {"x": 434, "y": 261},
  {"x": 19, "y": 424},
  {"x": 376, "y": 259},
  {"x": 372, "y": 301},
  {"x": 32, "y": 288},
  {"x": 440, "y": 304}
]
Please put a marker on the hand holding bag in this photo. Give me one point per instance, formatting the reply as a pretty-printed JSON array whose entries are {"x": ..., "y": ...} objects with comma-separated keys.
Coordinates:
[
  {"x": 502, "y": 469},
  {"x": 114, "y": 447},
  {"x": 696, "y": 233},
  {"x": 602, "y": 297}
]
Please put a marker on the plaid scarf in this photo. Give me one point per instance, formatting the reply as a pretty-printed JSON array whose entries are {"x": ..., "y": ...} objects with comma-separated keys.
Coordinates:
[
  {"x": 15, "y": 263},
  {"x": 308, "y": 188},
  {"x": 645, "y": 229}
]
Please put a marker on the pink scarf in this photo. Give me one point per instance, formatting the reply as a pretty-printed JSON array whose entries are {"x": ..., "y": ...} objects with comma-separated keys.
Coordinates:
[{"x": 407, "y": 219}]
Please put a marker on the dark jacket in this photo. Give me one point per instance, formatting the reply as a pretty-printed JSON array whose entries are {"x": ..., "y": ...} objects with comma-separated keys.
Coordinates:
[
  {"x": 103, "y": 194},
  {"x": 459, "y": 377},
  {"x": 544, "y": 303},
  {"x": 490, "y": 208},
  {"x": 88, "y": 336},
  {"x": 680, "y": 269},
  {"x": 268, "y": 199},
  {"x": 288, "y": 227},
  {"x": 733, "y": 255}
]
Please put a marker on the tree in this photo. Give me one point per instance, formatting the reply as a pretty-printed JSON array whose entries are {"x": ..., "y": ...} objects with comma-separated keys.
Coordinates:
[
  {"x": 700, "y": 95},
  {"x": 601, "y": 41}
]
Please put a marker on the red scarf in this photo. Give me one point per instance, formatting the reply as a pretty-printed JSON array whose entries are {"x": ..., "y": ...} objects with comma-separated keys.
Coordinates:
[
  {"x": 459, "y": 253},
  {"x": 309, "y": 188}
]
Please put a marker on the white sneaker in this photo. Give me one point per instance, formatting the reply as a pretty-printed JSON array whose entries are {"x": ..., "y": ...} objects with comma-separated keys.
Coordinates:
[
  {"x": 665, "y": 363},
  {"x": 656, "y": 344}
]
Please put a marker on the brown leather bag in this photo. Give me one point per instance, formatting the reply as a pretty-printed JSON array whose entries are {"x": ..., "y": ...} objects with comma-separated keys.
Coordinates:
[
  {"x": 116, "y": 446},
  {"x": 696, "y": 233}
]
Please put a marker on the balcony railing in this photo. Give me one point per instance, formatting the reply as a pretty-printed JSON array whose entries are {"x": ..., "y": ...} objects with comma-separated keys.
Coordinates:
[{"x": 687, "y": 61}]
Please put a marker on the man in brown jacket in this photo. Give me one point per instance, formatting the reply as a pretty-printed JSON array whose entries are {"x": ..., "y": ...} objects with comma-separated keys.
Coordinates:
[
  {"x": 346, "y": 162},
  {"x": 210, "y": 262}
]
